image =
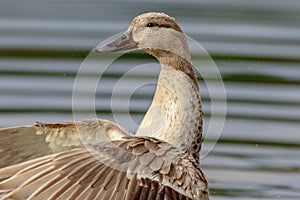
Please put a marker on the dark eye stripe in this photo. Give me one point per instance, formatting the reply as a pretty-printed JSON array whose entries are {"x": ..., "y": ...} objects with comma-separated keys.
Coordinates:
[
  {"x": 164, "y": 24},
  {"x": 168, "y": 26}
]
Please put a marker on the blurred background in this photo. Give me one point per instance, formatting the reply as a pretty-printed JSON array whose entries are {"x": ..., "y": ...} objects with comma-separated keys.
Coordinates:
[{"x": 255, "y": 45}]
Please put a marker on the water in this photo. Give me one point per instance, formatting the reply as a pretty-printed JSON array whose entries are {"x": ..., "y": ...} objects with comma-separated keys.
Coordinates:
[{"x": 255, "y": 44}]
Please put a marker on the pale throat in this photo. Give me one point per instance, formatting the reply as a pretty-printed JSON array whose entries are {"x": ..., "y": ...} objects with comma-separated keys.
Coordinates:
[{"x": 175, "y": 113}]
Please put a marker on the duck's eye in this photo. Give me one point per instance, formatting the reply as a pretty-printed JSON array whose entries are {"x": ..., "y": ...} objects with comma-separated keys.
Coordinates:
[{"x": 150, "y": 24}]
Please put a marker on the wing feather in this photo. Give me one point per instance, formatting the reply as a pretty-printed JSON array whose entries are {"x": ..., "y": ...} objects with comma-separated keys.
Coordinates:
[
  {"x": 22, "y": 143},
  {"x": 109, "y": 170}
]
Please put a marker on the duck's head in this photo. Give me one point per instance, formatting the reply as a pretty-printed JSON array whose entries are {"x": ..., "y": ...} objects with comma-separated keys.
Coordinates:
[{"x": 155, "y": 33}]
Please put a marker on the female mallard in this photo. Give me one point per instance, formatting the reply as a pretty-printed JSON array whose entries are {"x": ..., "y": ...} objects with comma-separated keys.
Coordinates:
[{"x": 97, "y": 159}]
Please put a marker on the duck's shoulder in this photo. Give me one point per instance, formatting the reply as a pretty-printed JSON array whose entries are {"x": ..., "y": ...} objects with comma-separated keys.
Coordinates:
[{"x": 151, "y": 160}]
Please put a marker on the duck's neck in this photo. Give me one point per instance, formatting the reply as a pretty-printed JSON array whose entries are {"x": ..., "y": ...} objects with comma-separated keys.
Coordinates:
[{"x": 175, "y": 114}]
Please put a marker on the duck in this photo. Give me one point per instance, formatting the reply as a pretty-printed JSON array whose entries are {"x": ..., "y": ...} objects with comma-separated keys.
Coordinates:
[{"x": 97, "y": 158}]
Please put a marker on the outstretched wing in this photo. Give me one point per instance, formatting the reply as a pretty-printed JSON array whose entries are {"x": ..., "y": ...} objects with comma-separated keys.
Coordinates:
[
  {"x": 132, "y": 168},
  {"x": 22, "y": 143}
]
